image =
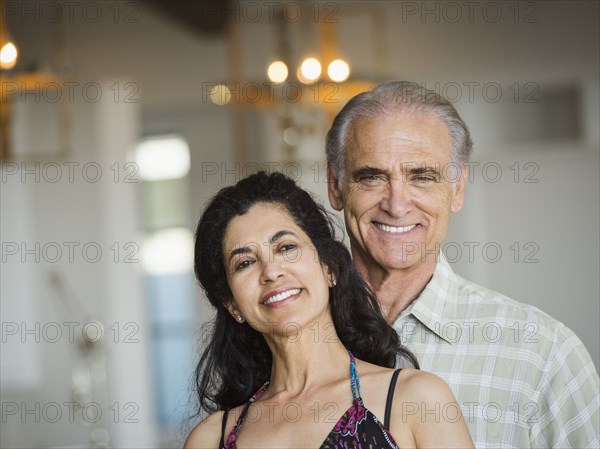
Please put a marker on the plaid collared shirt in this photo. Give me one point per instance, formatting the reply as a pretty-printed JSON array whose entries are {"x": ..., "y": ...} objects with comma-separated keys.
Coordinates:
[{"x": 521, "y": 378}]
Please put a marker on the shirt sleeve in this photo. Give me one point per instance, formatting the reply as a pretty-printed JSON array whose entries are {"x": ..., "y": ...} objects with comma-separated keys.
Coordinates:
[{"x": 568, "y": 397}]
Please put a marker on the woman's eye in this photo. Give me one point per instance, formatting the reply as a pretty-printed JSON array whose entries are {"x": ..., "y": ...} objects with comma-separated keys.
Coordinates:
[
  {"x": 243, "y": 264},
  {"x": 288, "y": 247}
]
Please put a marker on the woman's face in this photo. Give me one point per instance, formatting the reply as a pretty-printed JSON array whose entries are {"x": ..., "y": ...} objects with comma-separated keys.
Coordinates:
[{"x": 276, "y": 278}]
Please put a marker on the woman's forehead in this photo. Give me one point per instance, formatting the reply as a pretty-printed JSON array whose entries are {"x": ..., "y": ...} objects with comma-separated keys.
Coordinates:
[{"x": 259, "y": 224}]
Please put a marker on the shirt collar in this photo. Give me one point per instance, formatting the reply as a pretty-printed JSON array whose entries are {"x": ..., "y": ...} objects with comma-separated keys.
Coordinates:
[{"x": 437, "y": 305}]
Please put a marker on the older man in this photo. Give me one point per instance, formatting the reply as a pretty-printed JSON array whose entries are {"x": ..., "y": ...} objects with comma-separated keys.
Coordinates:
[{"x": 396, "y": 166}]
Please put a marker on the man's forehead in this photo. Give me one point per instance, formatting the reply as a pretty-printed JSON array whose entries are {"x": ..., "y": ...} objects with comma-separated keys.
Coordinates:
[
  {"x": 399, "y": 133},
  {"x": 397, "y": 152}
]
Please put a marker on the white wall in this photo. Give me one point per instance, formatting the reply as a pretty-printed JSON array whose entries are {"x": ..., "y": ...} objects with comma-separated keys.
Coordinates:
[{"x": 87, "y": 210}]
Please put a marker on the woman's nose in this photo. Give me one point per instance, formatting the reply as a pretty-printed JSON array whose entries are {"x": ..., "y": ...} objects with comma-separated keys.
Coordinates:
[{"x": 272, "y": 270}]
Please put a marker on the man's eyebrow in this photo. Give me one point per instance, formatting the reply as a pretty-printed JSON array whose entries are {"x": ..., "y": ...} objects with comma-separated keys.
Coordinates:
[
  {"x": 422, "y": 170},
  {"x": 367, "y": 171},
  {"x": 275, "y": 237}
]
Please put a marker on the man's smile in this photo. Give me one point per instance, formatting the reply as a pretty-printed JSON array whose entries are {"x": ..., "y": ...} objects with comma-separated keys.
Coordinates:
[{"x": 394, "y": 229}]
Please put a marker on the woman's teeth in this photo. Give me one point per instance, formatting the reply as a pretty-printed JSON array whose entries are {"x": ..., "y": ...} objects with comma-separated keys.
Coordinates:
[{"x": 281, "y": 296}]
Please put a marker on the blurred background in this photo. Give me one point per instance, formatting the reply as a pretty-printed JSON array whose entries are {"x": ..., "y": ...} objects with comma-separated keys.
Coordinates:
[{"x": 119, "y": 119}]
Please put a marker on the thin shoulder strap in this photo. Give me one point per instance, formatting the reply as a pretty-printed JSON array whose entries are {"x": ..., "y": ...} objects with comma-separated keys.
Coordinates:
[
  {"x": 355, "y": 380},
  {"x": 390, "y": 399},
  {"x": 238, "y": 425},
  {"x": 225, "y": 415}
]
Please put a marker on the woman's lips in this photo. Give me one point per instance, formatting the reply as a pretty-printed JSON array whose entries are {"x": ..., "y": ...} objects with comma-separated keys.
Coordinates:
[{"x": 274, "y": 298}]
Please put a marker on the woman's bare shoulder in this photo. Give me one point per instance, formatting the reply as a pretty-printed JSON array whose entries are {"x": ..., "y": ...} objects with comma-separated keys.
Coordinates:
[
  {"x": 426, "y": 403},
  {"x": 206, "y": 434},
  {"x": 414, "y": 384}
]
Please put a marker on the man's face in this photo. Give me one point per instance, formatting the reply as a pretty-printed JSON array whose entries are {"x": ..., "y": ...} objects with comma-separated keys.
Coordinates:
[{"x": 397, "y": 193}]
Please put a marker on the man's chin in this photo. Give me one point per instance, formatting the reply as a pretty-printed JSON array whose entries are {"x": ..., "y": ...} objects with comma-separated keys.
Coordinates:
[
  {"x": 397, "y": 261},
  {"x": 387, "y": 259}
]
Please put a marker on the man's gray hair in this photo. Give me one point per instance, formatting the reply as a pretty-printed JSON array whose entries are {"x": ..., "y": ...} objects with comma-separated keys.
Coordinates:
[{"x": 389, "y": 99}]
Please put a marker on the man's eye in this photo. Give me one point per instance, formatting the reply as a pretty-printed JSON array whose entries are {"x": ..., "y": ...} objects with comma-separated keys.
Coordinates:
[
  {"x": 424, "y": 179},
  {"x": 370, "y": 179}
]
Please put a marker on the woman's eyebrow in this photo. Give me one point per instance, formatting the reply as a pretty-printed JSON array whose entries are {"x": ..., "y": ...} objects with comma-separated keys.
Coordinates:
[
  {"x": 280, "y": 234},
  {"x": 235, "y": 252},
  {"x": 274, "y": 238}
]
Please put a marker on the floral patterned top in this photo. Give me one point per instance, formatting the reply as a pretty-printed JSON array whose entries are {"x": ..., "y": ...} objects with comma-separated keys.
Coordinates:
[{"x": 358, "y": 428}]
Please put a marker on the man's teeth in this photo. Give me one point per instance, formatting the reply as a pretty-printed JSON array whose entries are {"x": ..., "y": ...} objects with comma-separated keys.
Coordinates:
[
  {"x": 281, "y": 296},
  {"x": 395, "y": 229}
]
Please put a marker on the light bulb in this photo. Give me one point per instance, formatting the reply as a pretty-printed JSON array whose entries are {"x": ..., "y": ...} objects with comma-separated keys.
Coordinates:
[
  {"x": 8, "y": 56},
  {"x": 277, "y": 72},
  {"x": 338, "y": 70},
  {"x": 310, "y": 69},
  {"x": 220, "y": 94}
]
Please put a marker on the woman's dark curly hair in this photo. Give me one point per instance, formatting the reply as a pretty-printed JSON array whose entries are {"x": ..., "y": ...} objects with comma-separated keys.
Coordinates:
[{"x": 237, "y": 360}]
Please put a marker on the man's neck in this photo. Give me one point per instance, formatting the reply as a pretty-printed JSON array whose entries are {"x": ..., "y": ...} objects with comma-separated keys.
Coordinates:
[{"x": 397, "y": 289}]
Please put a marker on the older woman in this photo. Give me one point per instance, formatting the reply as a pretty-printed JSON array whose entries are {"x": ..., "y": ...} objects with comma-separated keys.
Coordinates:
[{"x": 301, "y": 356}]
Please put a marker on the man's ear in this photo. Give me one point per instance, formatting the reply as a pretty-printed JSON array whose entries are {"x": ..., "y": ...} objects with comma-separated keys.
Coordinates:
[
  {"x": 458, "y": 196},
  {"x": 336, "y": 198}
]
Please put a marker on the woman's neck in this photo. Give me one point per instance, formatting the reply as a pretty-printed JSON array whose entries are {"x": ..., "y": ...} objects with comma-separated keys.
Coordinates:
[{"x": 314, "y": 356}]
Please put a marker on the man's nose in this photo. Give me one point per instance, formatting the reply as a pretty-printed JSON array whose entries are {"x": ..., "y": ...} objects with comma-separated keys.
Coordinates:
[{"x": 396, "y": 199}]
